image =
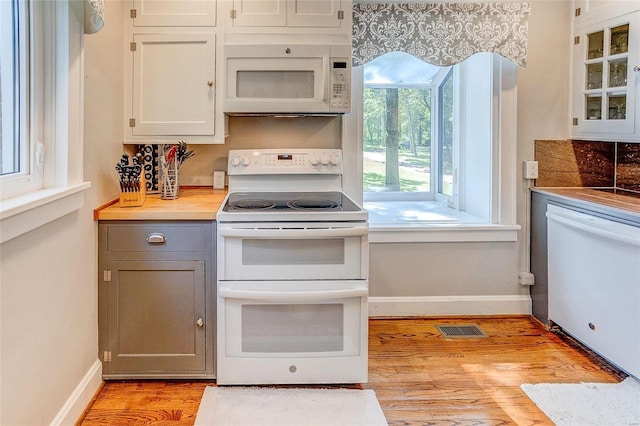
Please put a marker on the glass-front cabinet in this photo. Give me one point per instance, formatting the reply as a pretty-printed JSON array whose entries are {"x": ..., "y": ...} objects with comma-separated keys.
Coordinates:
[{"x": 606, "y": 79}]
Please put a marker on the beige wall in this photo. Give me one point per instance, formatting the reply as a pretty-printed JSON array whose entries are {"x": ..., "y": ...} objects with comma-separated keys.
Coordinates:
[
  {"x": 543, "y": 93},
  {"x": 49, "y": 276},
  {"x": 48, "y": 286}
]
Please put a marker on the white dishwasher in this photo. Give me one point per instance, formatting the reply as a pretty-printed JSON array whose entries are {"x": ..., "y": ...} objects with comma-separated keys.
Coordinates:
[{"x": 594, "y": 283}]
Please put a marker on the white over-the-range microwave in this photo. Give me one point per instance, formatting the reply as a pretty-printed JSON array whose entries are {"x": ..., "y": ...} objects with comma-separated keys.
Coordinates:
[{"x": 287, "y": 79}]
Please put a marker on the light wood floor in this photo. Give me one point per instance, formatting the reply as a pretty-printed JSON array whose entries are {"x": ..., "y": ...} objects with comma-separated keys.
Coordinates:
[{"x": 420, "y": 378}]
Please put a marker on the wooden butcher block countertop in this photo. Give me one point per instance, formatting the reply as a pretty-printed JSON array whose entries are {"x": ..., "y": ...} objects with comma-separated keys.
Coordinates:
[
  {"x": 193, "y": 203},
  {"x": 603, "y": 199}
]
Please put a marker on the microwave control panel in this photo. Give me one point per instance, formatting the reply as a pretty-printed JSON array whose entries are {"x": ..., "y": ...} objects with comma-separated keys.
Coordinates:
[{"x": 340, "y": 85}]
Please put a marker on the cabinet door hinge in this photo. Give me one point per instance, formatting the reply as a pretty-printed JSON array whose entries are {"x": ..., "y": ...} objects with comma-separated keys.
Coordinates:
[
  {"x": 106, "y": 276},
  {"x": 575, "y": 121},
  {"x": 232, "y": 14},
  {"x": 132, "y": 46},
  {"x": 106, "y": 356},
  {"x": 132, "y": 122},
  {"x": 133, "y": 13},
  {"x": 577, "y": 12},
  {"x": 341, "y": 14},
  {"x": 576, "y": 40}
]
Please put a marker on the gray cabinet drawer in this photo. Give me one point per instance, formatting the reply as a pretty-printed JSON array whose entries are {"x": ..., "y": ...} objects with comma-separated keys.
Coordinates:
[{"x": 158, "y": 237}]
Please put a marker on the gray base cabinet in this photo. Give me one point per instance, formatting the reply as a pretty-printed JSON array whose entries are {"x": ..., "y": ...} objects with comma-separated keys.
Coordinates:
[
  {"x": 540, "y": 291},
  {"x": 156, "y": 299}
]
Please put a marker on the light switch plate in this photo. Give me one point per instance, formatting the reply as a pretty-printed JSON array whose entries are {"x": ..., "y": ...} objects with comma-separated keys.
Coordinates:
[{"x": 218, "y": 179}]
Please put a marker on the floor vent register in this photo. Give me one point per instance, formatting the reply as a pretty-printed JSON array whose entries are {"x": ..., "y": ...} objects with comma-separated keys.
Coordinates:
[{"x": 461, "y": 331}]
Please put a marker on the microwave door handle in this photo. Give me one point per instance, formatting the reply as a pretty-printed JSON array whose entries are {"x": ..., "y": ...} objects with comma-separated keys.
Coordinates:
[
  {"x": 291, "y": 296},
  {"x": 292, "y": 233}
]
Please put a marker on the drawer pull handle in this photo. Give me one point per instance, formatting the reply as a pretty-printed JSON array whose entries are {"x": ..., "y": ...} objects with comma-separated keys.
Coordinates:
[
  {"x": 156, "y": 238},
  {"x": 200, "y": 322}
]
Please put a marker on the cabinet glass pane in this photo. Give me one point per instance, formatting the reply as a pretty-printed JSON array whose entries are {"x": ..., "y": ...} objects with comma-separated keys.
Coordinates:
[
  {"x": 594, "y": 76},
  {"x": 617, "y": 107},
  {"x": 620, "y": 39},
  {"x": 593, "y": 107},
  {"x": 618, "y": 73},
  {"x": 595, "y": 45}
]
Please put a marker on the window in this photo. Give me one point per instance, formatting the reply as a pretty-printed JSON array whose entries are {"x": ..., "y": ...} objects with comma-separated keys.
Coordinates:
[
  {"x": 20, "y": 90},
  {"x": 41, "y": 113},
  {"x": 399, "y": 109},
  {"x": 466, "y": 152}
]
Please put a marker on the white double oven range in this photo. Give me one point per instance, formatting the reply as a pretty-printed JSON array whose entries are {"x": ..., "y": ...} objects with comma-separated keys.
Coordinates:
[{"x": 292, "y": 271}]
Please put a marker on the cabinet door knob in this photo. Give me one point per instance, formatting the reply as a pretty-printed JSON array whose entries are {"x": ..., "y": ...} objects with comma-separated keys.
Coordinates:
[
  {"x": 200, "y": 322},
  {"x": 156, "y": 238},
  {"x": 636, "y": 68},
  {"x": 210, "y": 83}
]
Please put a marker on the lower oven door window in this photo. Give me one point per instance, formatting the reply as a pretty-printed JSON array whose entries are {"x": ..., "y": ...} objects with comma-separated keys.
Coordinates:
[{"x": 281, "y": 326}]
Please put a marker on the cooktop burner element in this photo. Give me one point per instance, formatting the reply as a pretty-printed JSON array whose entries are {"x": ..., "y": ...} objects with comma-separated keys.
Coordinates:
[
  {"x": 311, "y": 204},
  {"x": 252, "y": 204}
]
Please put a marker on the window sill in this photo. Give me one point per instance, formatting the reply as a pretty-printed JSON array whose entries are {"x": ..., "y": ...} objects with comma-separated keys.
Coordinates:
[
  {"x": 430, "y": 221},
  {"x": 19, "y": 215},
  {"x": 441, "y": 232}
]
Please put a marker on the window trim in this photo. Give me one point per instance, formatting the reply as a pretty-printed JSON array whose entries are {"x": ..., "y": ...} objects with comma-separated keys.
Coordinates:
[{"x": 62, "y": 111}]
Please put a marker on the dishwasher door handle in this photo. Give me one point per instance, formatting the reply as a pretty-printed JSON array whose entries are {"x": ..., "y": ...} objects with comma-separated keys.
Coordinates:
[{"x": 603, "y": 233}]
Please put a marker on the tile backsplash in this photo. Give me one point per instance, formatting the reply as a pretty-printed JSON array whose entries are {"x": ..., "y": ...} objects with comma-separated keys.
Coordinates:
[
  {"x": 570, "y": 163},
  {"x": 628, "y": 166}
]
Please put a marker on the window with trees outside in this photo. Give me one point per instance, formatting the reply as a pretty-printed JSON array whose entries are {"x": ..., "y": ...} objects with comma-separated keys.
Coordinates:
[
  {"x": 428, "y": 139},
  {"x": 401, "y": 117},
  {"x": 408, "y": 135}
]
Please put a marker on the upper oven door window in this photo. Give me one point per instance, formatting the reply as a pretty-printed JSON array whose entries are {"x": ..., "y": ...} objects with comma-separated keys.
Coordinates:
[{"x": 292, "y": 254}]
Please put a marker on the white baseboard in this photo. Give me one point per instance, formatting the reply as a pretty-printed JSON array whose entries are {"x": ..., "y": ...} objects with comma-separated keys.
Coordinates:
[
  {"x": 80, "y": 397},
  {"x": 449, "y": 306}
]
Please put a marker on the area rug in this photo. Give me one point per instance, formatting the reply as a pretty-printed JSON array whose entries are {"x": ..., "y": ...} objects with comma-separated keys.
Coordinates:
[
  {"x": 262, "y": 406},
  {"x": 585, "y": 404}
]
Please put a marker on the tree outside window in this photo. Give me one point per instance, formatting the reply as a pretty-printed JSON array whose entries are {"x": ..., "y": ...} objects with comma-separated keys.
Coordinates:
[{"x": 398, "y": 109}]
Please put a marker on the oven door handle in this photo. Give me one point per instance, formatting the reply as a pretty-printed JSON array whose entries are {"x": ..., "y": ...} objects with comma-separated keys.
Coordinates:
[
  {"x": 293, "y": 233},
  {"x": 291, "y": 296}
]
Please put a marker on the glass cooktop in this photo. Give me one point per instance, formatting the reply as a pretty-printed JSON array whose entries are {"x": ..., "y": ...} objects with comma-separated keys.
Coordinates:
[{"x": 289, "y": 201}]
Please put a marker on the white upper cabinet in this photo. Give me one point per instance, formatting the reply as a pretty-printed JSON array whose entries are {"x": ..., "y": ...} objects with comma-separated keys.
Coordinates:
[
  {"x": 173, "y": 84},
  {"x": 605, "y": 100},
  {"x": 168, "y": 13},
  {"x": 310, "y": 13},
  {"x": 288, "y": 13}
]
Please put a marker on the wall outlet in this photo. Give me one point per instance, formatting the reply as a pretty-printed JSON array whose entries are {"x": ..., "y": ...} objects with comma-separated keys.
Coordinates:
[
  {"x": 530, "y": 170},
  {"x": 218, "y": 179},
  {"x": 526, "y": 278}
]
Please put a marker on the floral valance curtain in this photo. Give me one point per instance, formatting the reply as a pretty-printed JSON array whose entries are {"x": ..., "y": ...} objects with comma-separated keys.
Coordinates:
[
  {"x": 440, "y": 33},
  {"x": 93, "y": 16}
]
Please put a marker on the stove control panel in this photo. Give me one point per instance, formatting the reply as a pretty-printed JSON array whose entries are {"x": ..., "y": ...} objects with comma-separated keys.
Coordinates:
[{"x": 292, "y": 161}]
